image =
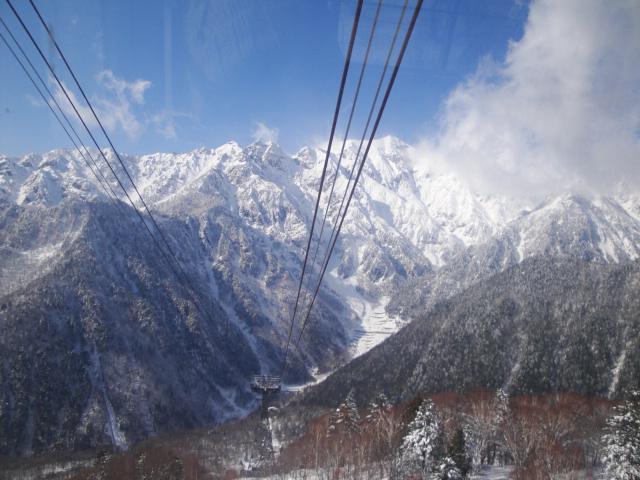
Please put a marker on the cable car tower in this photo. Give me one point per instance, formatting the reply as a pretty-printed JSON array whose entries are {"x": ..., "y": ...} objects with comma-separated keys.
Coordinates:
[{"x": 267, "y": 386}]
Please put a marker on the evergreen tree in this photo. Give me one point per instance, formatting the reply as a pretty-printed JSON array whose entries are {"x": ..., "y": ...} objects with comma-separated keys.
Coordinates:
[
  {"x": 458, "y": 453},
  {"x": 622, "y": 441},
  {"x": 503, "y": 411},
  {"x": 502, "y": 418},
  {"x": 346, "y": 419},
  {"x": 423, "y": 445},
  {"x": 447, "y": 470},
  {"x": 378, "y": 409}
]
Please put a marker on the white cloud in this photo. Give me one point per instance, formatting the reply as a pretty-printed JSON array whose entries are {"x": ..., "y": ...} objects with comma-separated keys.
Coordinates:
[
  {"x": 562, "y": 111},
  {"x": 264, "y": 134},
  {"x": 34, "y": 102},
  {"x": 114, "y": 105},
  {"x": 60, "y": 97},
  {"x": 165, "y": 123},
  {"x": 118, "y": 114},
  {"x": 134, "y": 90}
]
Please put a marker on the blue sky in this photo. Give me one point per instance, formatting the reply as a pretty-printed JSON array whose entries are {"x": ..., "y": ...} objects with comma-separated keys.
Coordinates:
[{"x": 172, "y": 75}]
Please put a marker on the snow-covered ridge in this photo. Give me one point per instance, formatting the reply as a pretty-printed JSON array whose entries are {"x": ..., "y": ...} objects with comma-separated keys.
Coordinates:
[
  {"x": 406, "y": 218},
  {"x": 435, "y": 212},
  {"x": 432, "y": 213}
]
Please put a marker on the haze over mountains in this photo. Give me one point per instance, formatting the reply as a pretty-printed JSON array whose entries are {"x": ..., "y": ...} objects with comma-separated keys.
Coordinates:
[{"x": 103, "y": 344}]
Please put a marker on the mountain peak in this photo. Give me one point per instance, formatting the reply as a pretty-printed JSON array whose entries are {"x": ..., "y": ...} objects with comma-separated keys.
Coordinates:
[
  {"x": 268, "y": 153},
  {"x": 230, "y": 148}
]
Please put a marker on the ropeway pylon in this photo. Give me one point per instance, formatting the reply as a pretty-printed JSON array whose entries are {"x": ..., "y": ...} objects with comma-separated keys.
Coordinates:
[{"x": 267, "y": 386}]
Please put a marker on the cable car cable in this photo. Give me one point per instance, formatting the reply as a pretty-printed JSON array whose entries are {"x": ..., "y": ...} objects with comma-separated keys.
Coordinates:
[
  {"x": 394, "y": 74},
  {"x": 124, "y": 168},
  {"x": 369, "y": 118},
  {"x": 343, "y": 80},
  {"x": 101, "y": 178},
  {"x": 348, "y": 128},
  {"x": 153, "y": 237}
]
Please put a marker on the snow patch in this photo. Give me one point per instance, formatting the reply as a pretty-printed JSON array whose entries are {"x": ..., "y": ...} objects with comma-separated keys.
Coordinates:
[
  {"x": 317, "y": 378},
  {"x": 615, "y": 376},
  {"x": 276, "y": 445},
  {"x": 117, "y": 436}
]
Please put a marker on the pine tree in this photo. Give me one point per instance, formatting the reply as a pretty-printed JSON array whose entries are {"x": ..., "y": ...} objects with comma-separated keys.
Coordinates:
[
  {"x": 622, "y": 441},
  {"x": 378, "y": 408},
  {"x": 447, "y": 470},
  {"x": 458, "y": 453},
  {"x": 423, "y": 445},
  {"x": 503, "y": 411},
  {"x": 346, "y": 419},
  {"x": 502, "y": 418}
]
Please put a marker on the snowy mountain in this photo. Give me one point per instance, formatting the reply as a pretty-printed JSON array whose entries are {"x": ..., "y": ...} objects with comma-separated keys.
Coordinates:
[
  {"x": 599, "y": 229},
  {"x": 119, "y": 338}
]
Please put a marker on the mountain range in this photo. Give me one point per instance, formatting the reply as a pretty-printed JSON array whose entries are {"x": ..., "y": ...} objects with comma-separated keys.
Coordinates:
[{"x": 103, "y": 342}]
